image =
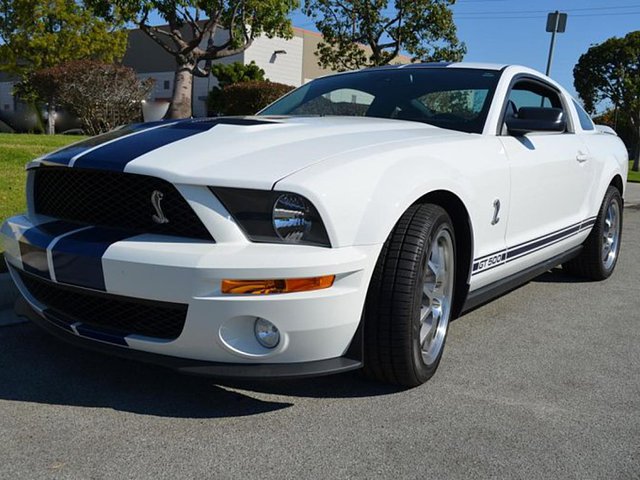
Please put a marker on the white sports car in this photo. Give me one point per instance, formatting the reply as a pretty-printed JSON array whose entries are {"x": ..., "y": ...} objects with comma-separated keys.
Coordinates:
[{"x": 342, "y": 227}]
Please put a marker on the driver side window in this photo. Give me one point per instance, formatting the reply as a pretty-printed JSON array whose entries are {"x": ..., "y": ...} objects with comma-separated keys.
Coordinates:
[{"x": 529, "y": 93}]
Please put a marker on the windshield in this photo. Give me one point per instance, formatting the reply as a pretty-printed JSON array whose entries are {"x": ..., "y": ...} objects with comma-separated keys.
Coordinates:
[{"x": 454, "y": 98}]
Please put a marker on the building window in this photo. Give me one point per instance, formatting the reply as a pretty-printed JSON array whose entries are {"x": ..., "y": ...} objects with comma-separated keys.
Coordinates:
[
  {"x": 167, "y": 84},
  {"x": 7, "y": 106}
]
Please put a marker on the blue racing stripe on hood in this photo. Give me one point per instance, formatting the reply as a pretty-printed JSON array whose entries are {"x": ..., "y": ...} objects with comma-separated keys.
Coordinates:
[
  {"x": 64, "y": 156},
  {"x": 115, "y": 156},
  {"x": 77, "y": 258}
]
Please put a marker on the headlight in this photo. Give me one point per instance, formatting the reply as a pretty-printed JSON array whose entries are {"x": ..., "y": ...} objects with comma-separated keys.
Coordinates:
[
  {"x": 274, "y": 217},
  {"x": 292, "y": 217}
]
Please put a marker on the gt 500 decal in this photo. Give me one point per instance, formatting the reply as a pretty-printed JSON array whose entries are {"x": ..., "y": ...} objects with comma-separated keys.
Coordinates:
[
  {"x": 517, "y": 251},
  {"x": 489, "y": 262}
]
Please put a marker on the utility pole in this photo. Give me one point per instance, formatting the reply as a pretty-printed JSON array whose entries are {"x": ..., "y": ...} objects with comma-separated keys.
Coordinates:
[{"x": 556, "y": 23}]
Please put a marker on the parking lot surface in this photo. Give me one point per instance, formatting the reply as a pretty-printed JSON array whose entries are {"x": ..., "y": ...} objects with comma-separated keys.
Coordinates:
[{"x": 543, "y": 382}]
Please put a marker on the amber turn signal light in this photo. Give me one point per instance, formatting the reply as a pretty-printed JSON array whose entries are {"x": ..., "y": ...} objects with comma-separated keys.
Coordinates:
[{"x": 266, "y": 287}]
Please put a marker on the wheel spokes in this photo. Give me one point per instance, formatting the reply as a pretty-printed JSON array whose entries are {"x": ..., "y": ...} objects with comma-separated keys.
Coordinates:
[
  {"x": 430, "y": 325},
  {"x": 610, "y": 234},
  {"x": 437, "y": 290}
]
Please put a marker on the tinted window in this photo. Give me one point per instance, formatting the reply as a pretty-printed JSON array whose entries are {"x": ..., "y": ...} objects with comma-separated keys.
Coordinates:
[
  {"x": 532, "y": 94},
  {"x": 453, "y": 98},
  {"x": 528, "y": 93},
  {"x": 585, "y": 120},
  {"x": 344, "y": 101}
]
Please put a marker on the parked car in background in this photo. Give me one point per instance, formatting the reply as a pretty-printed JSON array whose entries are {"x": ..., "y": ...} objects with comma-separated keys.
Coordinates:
[{"x": 341, "y": 228}]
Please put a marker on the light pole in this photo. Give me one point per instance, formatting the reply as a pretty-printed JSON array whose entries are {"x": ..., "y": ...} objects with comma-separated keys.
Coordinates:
[{"x": 556, "y": 23}]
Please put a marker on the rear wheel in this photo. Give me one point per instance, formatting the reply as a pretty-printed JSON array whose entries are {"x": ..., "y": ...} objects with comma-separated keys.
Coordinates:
[
  {"x": 410, "y": 298},
  {"x": 600, "y": 251}
]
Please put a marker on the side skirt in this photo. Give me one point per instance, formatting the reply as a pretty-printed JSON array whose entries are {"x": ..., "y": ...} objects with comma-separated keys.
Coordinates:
[{"x": 502, "y": 286}]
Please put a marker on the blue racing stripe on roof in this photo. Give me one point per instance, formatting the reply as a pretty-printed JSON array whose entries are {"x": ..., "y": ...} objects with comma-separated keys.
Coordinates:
[
  {"x": 77, "y": 258},
  {"x": 115, "y": 156}
]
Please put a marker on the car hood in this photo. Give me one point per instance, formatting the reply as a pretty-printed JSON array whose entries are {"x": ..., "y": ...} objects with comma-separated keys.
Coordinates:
[{"x": 249, "y": 152}]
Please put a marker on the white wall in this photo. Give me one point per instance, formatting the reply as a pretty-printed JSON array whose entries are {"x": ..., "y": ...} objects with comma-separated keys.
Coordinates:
[
  {"x": 159, "y": 92},
  {"x": 281, "y": 68}
]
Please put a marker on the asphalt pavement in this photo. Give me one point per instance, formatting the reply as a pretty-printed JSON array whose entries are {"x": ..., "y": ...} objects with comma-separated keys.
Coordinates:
[{"x": 543, "y": 382}]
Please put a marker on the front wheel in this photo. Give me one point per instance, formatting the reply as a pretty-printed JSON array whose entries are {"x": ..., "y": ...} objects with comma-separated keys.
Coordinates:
[
  {"x": 601, "y": 248},
  {"x": 410, "y": 298}
]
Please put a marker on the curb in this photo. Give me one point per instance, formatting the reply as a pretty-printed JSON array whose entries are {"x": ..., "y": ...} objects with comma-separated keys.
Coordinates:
[{"x": 8, "y": 291}]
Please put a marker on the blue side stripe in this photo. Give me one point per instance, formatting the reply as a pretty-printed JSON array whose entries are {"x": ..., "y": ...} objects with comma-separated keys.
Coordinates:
[
  {"x": 115, "y": 156},
  {"x": 515, "y": 252},
  {"x": 34, "y": 242},
  {"x": 77, "y": 258},
  {"x": 525, "y": 248},
  {"x": 64, "y": 156}
]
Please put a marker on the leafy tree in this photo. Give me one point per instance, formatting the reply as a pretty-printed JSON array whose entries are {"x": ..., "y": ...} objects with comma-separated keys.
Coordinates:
[
  {"x": 228, "y": 74},
  {"x": 612, "y": 118},
  {"x": 199, "y": 31},
  {"x": 610, "y": 72},
  {"x": 422, "y": 28},
  {"x": 38, "y": 34},
  {"x": 102, "y": 95}
]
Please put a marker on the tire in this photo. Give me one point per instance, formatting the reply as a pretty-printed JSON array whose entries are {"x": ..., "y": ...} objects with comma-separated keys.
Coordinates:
[
  {"x": 601, "y": 248},
  {"x": 397, "y": 317}
]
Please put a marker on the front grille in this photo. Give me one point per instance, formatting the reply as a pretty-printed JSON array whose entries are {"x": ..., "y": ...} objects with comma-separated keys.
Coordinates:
[
  {"x": 114, "y": 199},
  {"x": 120, "y": 315}
]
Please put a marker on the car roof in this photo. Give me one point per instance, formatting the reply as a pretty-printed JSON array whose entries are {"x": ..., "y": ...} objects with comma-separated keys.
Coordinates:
[{"x": 472, "y": 65}]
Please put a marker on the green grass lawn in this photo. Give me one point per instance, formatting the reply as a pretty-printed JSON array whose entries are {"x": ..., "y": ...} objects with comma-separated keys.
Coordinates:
[
  {"x": 15, "y": 151},
  {"x": 633, "y": 176}
]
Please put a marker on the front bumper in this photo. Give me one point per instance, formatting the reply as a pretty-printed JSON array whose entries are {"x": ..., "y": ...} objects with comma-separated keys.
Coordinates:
[
  {"x": 315, "y": 326},
  {"x": 202, "y": 368}
]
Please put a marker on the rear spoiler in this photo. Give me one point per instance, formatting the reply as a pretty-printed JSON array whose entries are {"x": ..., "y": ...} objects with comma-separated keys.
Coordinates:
[{"x": 606, "y": 129}]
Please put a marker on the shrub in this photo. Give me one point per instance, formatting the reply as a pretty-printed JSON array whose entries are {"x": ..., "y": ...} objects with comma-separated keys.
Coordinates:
[
  {"x": 247, "y": 98},
  {"x": 228, "y": 74},
  {"x": 102, "y": 95}
]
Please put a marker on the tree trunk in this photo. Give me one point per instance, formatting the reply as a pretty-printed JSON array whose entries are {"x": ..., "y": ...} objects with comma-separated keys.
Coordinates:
[
  {"x": 182, "y": 92},
  {"x": 636, "y": 158},
  {"x": 51, "y": 119}
]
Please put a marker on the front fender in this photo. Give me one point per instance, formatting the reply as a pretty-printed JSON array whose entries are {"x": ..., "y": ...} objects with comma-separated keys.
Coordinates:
[{"x": 361, "y": 196}]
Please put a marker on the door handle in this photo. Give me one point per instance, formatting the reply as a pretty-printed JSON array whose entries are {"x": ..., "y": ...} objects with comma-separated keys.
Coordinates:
[{"x": 582, "y": 157}]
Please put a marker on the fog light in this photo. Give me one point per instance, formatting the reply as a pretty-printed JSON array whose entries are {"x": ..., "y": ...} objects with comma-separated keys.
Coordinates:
[{"x": 266, "y": 332}]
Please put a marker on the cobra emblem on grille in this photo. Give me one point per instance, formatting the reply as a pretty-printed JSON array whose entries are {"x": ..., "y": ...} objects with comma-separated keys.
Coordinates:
[{"x": 156, "y": 199}]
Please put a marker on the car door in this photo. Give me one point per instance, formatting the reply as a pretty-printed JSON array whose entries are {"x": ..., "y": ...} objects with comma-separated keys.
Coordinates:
[{"x": 549, "y": 180}]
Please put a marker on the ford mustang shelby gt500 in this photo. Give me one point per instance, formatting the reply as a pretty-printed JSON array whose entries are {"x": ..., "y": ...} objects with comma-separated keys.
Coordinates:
[{"x": 341, "y": 227}]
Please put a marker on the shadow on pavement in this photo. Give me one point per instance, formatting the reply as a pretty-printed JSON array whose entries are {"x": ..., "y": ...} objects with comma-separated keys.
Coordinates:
[
  {"x": 36, "y": 367},
  {"x": 557, "y": 275}
]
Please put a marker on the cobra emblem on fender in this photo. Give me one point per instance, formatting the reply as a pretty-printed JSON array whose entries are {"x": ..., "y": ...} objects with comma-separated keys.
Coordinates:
[
  {"x": 156, "y": 199},
  {"x": 496, "y": 212}
]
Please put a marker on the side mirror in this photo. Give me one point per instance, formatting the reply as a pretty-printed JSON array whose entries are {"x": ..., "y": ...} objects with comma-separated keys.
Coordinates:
[{"x": 536, "y": 119}]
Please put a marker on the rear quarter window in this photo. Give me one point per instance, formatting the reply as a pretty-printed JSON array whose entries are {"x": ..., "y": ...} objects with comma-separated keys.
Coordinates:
[{"x": 585, "y": 120}]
